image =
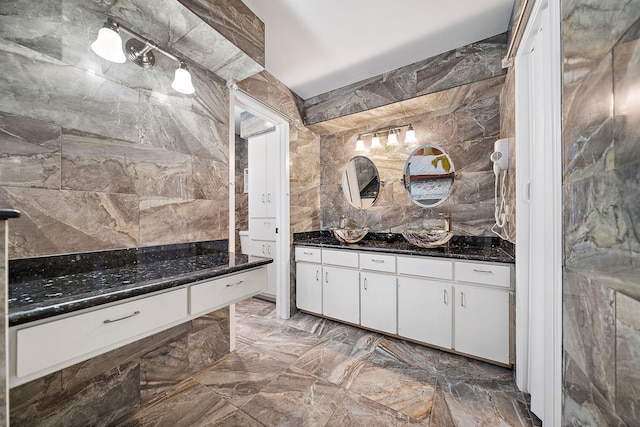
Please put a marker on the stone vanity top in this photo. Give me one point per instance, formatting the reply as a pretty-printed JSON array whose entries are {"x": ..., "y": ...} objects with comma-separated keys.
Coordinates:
[
  {"x": 478, "y": 248},
  {"x": 43, "y": 287}
]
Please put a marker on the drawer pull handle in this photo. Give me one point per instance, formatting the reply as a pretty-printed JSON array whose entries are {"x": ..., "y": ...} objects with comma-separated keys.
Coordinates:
[
  {"x": 135, "y": 313},
  {"x": 483, "y": 271},
  {"x": 461, "y": 299},
  {"x": 326, "y": 277},
  {"x": 308, "y": 253},
  {"x": 263, "y": 201},
  {"x": 234, "y": 284},
  {"x": 365, "y": 284},
  {"x": 445, "y": 298},
  {"x": 377, "y": 261},
  {"x": 269, "y": 197},
  {"x": 317, "y": 274}
]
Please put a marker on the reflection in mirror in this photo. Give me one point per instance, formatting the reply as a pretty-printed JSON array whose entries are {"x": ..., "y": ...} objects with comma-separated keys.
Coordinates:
[
  {"x": 361, "y": 182},
  {"x": 428, "y": 176}
]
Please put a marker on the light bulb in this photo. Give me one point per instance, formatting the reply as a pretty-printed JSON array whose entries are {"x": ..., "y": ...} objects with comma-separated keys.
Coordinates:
[
  {"x": 108, "y": 45},
  {"x": 411, "y": 135},
  {"x": 393, "y": 138},
  {"x": 360, "y": 144},
  {"x": 375, "y": 141},
  {"x": 182, "y": 81}
]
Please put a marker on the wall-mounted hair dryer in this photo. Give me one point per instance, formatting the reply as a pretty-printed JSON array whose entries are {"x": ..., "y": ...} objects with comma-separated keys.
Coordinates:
[{"x": 500, "y": 155}]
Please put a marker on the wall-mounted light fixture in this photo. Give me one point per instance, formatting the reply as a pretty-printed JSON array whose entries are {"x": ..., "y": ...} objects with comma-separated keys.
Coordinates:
[
  {"x": 139, "y": 49},
  {"x": 392, "y": 137}
]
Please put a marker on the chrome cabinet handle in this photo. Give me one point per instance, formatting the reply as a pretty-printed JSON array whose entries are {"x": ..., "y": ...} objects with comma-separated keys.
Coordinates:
[
  {"x": 264, "y": 251},
  {"x": 135, "y": 313},
  {"x": 377, "y": 261},
  {"x": 308, "y": 253},
  {"x": 483, "y": 271},
  {"x": 269, "y": 197},
  {"x": 365, "y": 283},
  {"x": 326, "y": 277},
  {"x": 263, "y": 201},
  {"x": 461, "y": 299},
  {"x": 268, "y": 249},
  {"x": 317, "y": 275},
  {"x": 234, "y": 284},
  {"x": 445, "y": 298}
]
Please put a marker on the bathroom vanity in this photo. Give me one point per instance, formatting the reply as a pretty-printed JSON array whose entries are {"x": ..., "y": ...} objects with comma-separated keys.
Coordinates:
[
  {"x": 457, "y": 297},
  {"x": 68, "y": 308}
]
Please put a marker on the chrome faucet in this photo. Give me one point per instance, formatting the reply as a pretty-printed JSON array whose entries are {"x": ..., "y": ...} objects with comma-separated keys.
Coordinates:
[{"x": 446, "y": 217}]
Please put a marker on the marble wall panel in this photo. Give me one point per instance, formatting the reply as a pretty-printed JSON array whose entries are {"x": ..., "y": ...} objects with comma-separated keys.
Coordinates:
[
  {"x": 93, "y": 163},
  {"x": 4, "y": 386},
  {"x": 57, "y": 222},
  {"x": 168, "y": 220},
  {"x": 251, "y": 125},
  {"x": 242, "y": 198},
  {"x": 235, "y": 21},
  {"x": 467, "y": 64},
  {"x": 30, "y": 154},
  {"x": 627, "y": 356}
]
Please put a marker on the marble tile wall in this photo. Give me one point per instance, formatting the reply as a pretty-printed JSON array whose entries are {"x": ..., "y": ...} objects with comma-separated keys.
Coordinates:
[
  {"x": 465, "y": 121},
  {"x": 470, "y": 63},
  {"x": 4, "y": 231},
  {"x": 601, "y": 124},
  {"x": 101, "y": 155},
  {"x": 103, "y": 389}
]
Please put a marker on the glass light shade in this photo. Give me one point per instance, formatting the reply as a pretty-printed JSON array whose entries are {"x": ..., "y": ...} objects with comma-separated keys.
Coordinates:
[
  {"x": 375, "y": 141},
  {"x": 108, "y": 46},
  {"x": 182, "y": 81},
  {"x": 360, "y": 145},
  {"x": 393, "y": 138},
  {"x": 411, "y": 135}
]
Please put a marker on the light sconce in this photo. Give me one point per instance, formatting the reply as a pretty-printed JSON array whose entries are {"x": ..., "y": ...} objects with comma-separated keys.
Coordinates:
[
  {"x": 139, "y": 49},
  {"x": 392, "y": 138}
]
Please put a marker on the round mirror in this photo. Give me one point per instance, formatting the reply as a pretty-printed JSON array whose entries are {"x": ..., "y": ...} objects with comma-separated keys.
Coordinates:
[
  {"x": 361, "y": 182},
  {"x": 428, "y": 176}
]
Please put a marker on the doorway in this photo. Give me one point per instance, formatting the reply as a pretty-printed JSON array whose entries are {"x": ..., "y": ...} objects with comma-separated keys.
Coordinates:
[{"x": 278, "y": 244}]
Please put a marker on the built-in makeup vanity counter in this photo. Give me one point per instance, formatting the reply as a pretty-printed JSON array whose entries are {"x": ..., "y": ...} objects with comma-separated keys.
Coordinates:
[
  {"x": 457, "y": 297},
  {"x": 68, "y": 308}
]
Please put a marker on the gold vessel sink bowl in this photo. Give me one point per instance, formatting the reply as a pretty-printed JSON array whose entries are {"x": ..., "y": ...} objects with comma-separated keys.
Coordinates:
[
  {"x": 349, "y": 235},
  {"x": 427, "y": 238}
]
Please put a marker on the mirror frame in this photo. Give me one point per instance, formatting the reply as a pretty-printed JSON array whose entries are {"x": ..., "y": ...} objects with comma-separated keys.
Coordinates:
[
  {"x": 348, "y": 189},
  {"x": 437, "y": 160}
]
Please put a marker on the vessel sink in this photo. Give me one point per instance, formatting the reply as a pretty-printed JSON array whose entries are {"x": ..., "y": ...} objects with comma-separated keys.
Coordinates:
[
  {"x": 349, "y": 235},
  {"x": 427, "y": 238}
]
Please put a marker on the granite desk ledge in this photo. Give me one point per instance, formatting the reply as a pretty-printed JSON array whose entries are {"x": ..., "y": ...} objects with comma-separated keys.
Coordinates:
[
  {"x": 44, "y": 287},
  {"x": 470, "y": 248}
]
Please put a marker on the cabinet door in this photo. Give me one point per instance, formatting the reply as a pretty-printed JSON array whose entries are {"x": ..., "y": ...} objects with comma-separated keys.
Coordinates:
[
  {"x": 378, "y": 302},
  {"x": 271, "y": 269},
  {"x": 272, "y": 171},
  {"x": 425, "y": 311},
  {"x": 257, "y": 176},
  {"x": 341, "y": 294},
  {"x": 309, "y": 287},
  {"x": 482, "y": 323}
]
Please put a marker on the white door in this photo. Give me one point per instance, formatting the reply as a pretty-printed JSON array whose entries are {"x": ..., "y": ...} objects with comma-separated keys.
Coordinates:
[
  {"x": 539, "y": 214},
  {"x": 309, "y": 287},
  {"x": 341, "y": 294},
  {"x": 481, "y": 319},
  {"x": 378, "y": 301},
  {"x": 425, "y": 311}
]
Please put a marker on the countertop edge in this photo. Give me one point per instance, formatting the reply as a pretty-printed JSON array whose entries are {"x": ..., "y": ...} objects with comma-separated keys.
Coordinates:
[{"x": 9, "y": 213}]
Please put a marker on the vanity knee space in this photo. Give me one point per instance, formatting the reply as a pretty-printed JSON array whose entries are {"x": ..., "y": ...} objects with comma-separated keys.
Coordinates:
[{"x": 456, "y": 305}]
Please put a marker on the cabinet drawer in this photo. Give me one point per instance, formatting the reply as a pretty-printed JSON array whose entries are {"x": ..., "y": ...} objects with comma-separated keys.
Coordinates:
[
  {"x": 342, "y": 258},
  {"x": 486, "y": 274},
  {"x": 49, "y": 344},
  {"x": 213, "y": 294},
  {"x": 262, "y": 229},
  {"x": 426, "y": 267},
  {"x": 377, "y": 262},
  {"x": 308, "y": 254}
]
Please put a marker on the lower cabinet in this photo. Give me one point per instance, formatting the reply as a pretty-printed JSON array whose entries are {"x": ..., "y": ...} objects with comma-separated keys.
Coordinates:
[
  {"x": 459, "y": 305},
  {"x": 378, "y": 302},
  {"x": 425, "y": 311},
  {"x": 482, "y": 323},
  {"x": 309, "y": 287},
  {"x": 267, "y": 249},
  {"x": 341, "y": 294}
]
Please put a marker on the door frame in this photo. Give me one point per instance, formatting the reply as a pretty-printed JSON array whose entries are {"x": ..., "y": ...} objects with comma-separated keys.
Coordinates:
[
  {"x": 545, "y": 13},
  {"x": 240, "y": 99}
]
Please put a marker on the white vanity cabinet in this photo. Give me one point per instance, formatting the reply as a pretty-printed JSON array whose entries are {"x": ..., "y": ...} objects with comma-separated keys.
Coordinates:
[
  {"x": 457, "y": 305},
  {"x": 264, "y": 159}
]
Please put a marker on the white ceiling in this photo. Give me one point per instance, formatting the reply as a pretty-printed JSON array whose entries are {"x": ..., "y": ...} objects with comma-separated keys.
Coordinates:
[{"x": 314, "y": 46}]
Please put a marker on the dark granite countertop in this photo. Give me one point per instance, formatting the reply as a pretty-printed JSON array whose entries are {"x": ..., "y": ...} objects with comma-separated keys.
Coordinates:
[
  {"x": 43, "y": 287},
  {"x": 460, "y": 247},
  {"x": 9, "y": 213}
]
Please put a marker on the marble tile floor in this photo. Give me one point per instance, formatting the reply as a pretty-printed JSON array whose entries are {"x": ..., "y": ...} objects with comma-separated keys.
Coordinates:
[{"x": 307, "y": 371}]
